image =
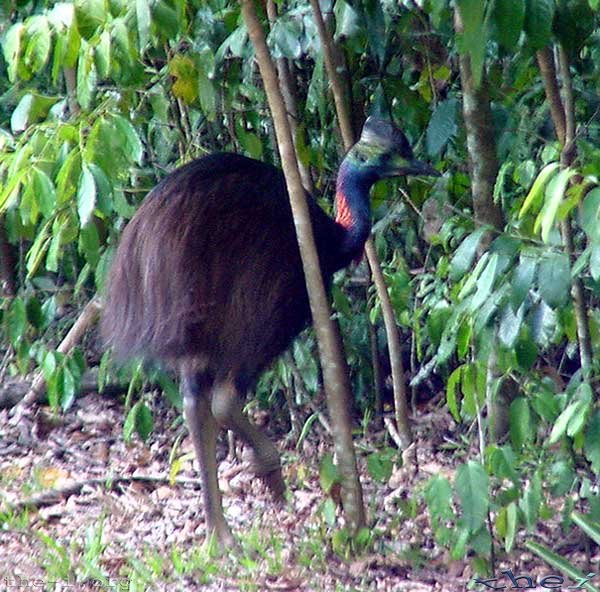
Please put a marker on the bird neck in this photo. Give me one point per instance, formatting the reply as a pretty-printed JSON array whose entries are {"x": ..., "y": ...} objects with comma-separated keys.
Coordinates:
[{"x": 353, "y": 211}]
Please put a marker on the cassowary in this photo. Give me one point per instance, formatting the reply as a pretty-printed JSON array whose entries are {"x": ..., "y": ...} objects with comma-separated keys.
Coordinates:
[{"x": 208, "y": 279}]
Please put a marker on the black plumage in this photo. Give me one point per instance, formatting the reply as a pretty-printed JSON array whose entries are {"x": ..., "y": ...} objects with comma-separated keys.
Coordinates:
[{"x": 208, "y": 279}]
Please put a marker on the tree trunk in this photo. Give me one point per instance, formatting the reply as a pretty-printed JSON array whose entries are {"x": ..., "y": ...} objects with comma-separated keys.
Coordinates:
[
  {"x": 483, "y": 167},
  {"x": 481, "y": 143},
  {"x": 335, "y": 371}
]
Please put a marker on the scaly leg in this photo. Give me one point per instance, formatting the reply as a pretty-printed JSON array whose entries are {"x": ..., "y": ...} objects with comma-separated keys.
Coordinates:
[
  {"x": 227, "y": 410},
  {"x": 204, "y": 430}
]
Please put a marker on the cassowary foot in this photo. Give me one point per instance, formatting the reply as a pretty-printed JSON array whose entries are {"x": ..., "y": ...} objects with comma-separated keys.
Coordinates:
[{"x": 274, "y": 481}]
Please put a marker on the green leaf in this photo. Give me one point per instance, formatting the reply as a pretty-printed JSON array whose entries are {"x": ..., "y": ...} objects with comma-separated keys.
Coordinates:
[
  {"x": 555, "y": 192},
  {"x": 589, "y": 526},
  {"x": 591, "y": 446},
  {"x": 522, "y": 280},
  {"x": 38, "y": 43},
  {"x": 143, "y": 17},
  {"x": 207, "y": 96},
  {"x": 183, "y": 69},
  {"x": 89, "y": 244},
  {"x": 579, "y": 420},
  {"x": 554, "y": 279},
  {"x": 129, "y": 424},
  {"x": 560, "y": 426},
  {"x": 12, "y": 45},
  {"x": 474, "y": 38},
  {"x": 573, "y": 24},
  {"x": 438, "y": 495},
  {"x": 54, "y": 248},
  {"x": 543, "y": 321},
  {"x": 531, "y": 501},
  {"x": 86, "y": 195},
  {"x": 68, "y": 389},
  {"x": 38, "y": 250},
  {"x": 451, "y": 388},
  {"x": 104, "y": 192},
  {"x": 45, "y": 192},
  {"x": 347, "y": 20},
  {"x": 49, "y": 365},
  {"x": 102, "y": 55},
  {"x": 329, "y": 473},
  {"x": 436, "y": 321},
  {"x": 590, "y": 215},
  {"x": 511, "y": 526},
  {"x": 34, "y": 312},
  {"x": 442, "y": 126},
  {"x": 131, "y": 143},
  {"x": 538, "y": 22},
  {"x": 144, "y": 423},
  {"x": 484, "y": 283},
  {"x": 508, "y": 17},
  {"x": 89, "y": 15},
  {"x": 164, "y": 18},
  {"x": 284, "y": 38},
  {"x": 521, "y": 428},
  {"x": 251, "y": 144},
  {"x": 17, "y": 321},
  {"x": 87, "y": 79},
  {"x": 471, "y": 485},
  {"x": 510, "y": 325},
  {"x": 68, "y": 176},
  {"x": 535, "y": 195},
  {"x": 380, "y": 465},
  {"x": 465, "y": 255},
  {"x": 502, "y": 463},
  {"x": 31, "y": 108}
]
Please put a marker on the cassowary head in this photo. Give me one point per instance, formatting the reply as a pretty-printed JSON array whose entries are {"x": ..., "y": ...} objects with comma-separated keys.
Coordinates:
[{"x": 384, "y": 151}]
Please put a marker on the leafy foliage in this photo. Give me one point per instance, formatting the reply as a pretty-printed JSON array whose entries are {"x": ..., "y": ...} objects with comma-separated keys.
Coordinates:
[{"x": 98, "y": 100}]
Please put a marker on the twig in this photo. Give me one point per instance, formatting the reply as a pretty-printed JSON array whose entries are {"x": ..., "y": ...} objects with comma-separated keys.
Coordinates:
[
  {"x": 53, "y": 496},
  {"x": 88, "y": 317}
]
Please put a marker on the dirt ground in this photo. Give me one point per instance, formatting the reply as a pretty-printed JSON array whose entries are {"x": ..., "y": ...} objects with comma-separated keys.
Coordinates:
[{"x": 125, "y": 519}]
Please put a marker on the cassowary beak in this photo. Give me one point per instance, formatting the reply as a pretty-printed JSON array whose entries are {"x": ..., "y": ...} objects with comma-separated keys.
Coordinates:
[{"x": 420, "y": 168}]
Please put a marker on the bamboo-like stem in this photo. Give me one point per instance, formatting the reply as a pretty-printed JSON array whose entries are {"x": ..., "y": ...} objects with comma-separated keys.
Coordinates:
[
  {"x": 289, "y": 96},
  {"x": 341, "y": 107},
  {"x": 545, "y": 60},
  {"x": 335, "y": 371},
  {"x": 389, "y": 319},
  {"x": 563, "y": 117}
]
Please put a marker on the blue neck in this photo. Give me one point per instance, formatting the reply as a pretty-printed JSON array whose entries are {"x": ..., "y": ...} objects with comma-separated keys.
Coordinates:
[{"x": 353, "y": 206}]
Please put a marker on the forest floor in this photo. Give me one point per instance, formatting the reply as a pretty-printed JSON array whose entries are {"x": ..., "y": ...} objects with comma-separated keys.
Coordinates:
[{"x": 126, "y": 526}]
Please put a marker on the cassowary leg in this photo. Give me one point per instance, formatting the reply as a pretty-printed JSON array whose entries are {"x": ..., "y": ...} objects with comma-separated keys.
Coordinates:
[
  {"x": 227, "y": 409},
  {"x": 204, "y": 430}
]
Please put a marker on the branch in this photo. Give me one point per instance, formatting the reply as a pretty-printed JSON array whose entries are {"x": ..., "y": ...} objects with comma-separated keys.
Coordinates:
[
  {"x": 545, "y": 60},
  {"x": 88, "y": 317},
  {"x": 289, "y": 96},
  {"x": 481, "y": 145},
  {"x": 53, "y": 496},
  {"x": 341, "y": 106}
]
